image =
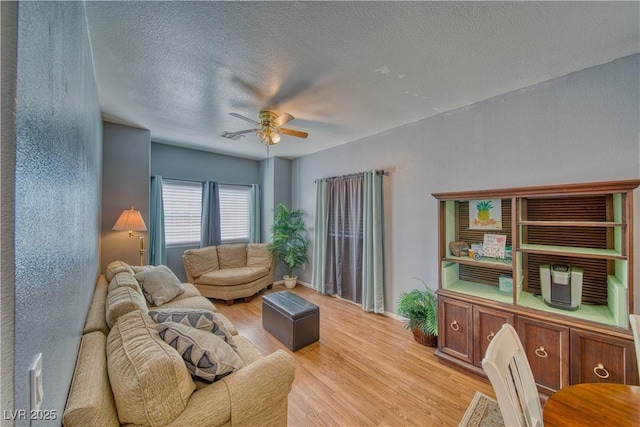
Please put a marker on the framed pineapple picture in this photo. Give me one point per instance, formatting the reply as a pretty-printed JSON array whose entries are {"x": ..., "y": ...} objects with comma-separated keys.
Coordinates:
[{"x": 485, "y": 214}]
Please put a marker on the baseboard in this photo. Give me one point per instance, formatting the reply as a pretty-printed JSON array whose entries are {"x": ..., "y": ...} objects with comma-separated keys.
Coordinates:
[{"x": 385, "y": 313}]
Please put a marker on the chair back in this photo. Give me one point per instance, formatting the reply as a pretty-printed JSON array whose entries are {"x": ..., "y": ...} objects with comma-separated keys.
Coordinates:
[
  {"x": 635, "y": 327},
  {"x": 507, "y": 367}
]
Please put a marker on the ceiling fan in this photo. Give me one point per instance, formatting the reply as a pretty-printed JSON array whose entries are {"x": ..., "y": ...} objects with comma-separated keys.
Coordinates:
[{"x": 269, "y": 127}]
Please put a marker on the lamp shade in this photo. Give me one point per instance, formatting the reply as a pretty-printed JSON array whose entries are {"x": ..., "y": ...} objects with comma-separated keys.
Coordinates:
[{"x": 130, "y": 220}]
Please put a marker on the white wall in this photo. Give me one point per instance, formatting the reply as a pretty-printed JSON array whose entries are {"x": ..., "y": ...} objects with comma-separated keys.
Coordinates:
[{"x": 582, "y": 127}]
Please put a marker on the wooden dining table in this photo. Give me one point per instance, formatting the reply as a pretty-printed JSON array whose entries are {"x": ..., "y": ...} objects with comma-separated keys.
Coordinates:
[{"x": 593, "y": 404}]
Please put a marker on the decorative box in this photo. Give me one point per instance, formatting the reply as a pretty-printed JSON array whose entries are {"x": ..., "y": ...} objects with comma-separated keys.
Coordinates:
[{"x": 505, "y": 283}]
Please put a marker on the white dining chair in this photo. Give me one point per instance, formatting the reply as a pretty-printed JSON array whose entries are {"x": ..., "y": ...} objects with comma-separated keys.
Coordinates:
[
  {"x": 635, "y": 327},
  {"x": 507, "y": 367}
]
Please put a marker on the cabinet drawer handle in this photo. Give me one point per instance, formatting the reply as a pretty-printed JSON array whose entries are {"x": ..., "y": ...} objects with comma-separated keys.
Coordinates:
[
  {"x": 454, "y": 325},
  {"x": 490, "y": 336},
  {"x": 541, "y": 352},
  {"x": 600, "y": 371}
]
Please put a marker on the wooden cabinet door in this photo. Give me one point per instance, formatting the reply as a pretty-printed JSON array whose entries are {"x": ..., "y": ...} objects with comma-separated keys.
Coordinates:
[
  {"x": 455, "y": 329},
  {"x": 486, "y": 323},
  {"x": 547, "y": 349},
  {"x": 596, "y": 358}
]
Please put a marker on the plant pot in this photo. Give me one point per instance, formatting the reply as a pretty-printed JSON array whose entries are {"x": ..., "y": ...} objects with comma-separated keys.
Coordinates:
[
  {"x": 290, "y": 281},
  {"x": 425, "y": 339}
]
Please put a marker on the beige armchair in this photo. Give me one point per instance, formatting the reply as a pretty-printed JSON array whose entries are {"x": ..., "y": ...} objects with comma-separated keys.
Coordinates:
[{"x": 228, "y": 272}]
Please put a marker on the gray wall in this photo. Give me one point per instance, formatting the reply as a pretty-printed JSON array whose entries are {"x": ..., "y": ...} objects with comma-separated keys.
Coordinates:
[
  {"x": 275, "y": 173},
  {"x": 582, "y": 127},
  {"x": 57, "y": 202},
  {"x": 195, "y": 165},
  {"x": 125, "y": 183}
]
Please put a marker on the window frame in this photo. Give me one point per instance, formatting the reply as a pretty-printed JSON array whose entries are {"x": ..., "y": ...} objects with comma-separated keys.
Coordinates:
[
  {"x": 171, "y": 185},
  {"x": 225, "y": 192}
]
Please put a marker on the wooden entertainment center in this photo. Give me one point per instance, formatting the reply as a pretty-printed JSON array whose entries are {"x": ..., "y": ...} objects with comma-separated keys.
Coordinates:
[{"x": 588, "y": 227}]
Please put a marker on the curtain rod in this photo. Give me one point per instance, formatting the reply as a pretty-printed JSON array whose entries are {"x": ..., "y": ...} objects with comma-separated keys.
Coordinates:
[
  {"x": 378, "y": 172},
  {"x": 200, "y": 181}
]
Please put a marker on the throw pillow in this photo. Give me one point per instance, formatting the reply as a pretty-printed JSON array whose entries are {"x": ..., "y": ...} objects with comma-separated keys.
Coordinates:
[
  {"x": 199, "y": 261},
  {"x": 159, "y": 284},
  {"x": 207, "y": 356},
  {"x": 140, "y": 268},
  {"x": 205, "y": 320}
]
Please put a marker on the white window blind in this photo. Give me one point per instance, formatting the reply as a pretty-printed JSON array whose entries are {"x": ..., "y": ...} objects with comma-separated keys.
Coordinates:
[
  {"x": 235, "y": 213},
  {"x": 182, "y": 211}
]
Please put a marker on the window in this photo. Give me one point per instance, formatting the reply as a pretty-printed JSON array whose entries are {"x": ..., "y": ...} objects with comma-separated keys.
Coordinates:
[
  {"x": 182, "y": 212},
  {"x": 235, "y": 213}
]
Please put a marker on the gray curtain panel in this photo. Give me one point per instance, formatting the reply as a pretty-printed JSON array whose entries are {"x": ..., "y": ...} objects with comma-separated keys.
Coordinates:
[
  {"x": 348, "y": 258},
  {"x": 210, "y": 231},
  {"x": 157, "y": 244}
]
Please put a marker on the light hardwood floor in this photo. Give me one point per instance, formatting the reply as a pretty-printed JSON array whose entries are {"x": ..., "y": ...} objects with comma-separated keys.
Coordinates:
[{"x": 366, "y": 370}]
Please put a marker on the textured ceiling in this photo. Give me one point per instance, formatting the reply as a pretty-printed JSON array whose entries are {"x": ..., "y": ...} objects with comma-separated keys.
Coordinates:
[{"x": 345, "y": 70}]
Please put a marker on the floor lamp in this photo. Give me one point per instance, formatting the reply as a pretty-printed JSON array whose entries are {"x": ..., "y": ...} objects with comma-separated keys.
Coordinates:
[{"x": 131, "y": 220}]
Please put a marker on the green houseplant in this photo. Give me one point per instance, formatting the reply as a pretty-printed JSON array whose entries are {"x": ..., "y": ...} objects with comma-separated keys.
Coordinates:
[
  {"x": 420, "y": 307},
  {"x": 289, "y": 241}
]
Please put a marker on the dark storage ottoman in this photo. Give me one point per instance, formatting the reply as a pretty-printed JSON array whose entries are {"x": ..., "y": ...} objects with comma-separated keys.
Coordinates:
[{"x": 291, "y": 319}]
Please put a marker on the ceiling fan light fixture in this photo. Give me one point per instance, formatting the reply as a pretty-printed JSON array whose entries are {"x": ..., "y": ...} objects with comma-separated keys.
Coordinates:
[{"x": 269, "y": 127}]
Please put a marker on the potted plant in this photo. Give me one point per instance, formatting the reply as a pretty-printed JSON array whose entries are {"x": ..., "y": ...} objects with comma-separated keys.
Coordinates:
[
  {"x": 289, "y": 241},
  {"x": 420, "y": 307}
]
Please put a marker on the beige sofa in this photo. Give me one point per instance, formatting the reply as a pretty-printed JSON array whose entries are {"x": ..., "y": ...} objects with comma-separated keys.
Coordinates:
[
  {"x": 126, "y": 374},
  {"x": 228, "y": 272}
]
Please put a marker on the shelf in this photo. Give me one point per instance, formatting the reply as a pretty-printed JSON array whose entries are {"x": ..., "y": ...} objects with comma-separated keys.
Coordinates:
[
  {"x": 572, "y": 223},
  {"x": 484, "y": 262},
  {"x": 593, "y": 313},
  {"x": 572, "y": 251},
  {"x": 481, "y": 291}
]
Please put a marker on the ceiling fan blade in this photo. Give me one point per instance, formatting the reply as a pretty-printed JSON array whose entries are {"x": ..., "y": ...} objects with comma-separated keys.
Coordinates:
[
  {"x": 282, "y": 119},
  {"x": 292, "y": 132},
  {"x": 240, "y": 116},
  {"x": 241, "y": 132}
]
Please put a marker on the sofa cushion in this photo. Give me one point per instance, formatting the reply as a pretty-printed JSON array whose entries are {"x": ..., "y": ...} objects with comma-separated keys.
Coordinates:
[
  {"x": 206, "y": 355},
  {"x": 96, "y": 316},
  {"x": 124, "y": 279},
  {"x": 201, "y": 260},
  {"x": 232, "y": 256},
  {"x": 90, "y": 399},
  {"x": 121, "y": 301},
  {"x": 159, "y": 284},
  {"x": 116, "y": 267},
  {"x": 150, "y": 382},
  {"x": 248, "y": 352},
  {"x": 232, "y": 276},
  {"x": 258, "y": 255}
]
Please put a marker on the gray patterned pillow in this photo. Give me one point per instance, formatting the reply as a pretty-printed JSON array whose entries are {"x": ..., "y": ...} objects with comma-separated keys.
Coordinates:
[
  {"x": 206, "y": 355},
  {"x": 205, "y": 320}
]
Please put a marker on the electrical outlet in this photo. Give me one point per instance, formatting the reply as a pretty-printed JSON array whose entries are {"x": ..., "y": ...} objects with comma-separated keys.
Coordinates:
[{"x": 36, "y": 389}]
